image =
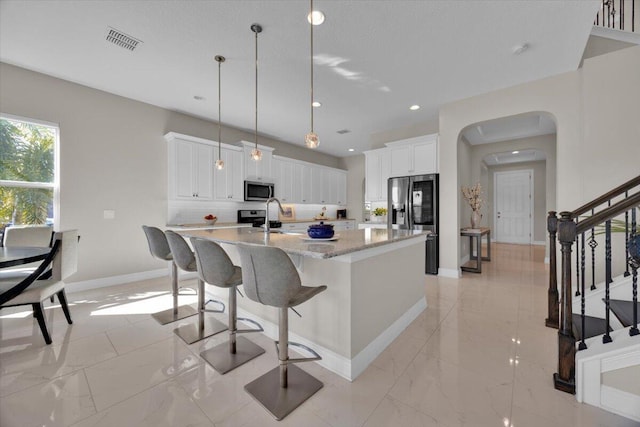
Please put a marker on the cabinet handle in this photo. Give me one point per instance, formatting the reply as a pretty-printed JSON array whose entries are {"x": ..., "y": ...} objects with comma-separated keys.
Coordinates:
[{"x": 303, "y": 200}]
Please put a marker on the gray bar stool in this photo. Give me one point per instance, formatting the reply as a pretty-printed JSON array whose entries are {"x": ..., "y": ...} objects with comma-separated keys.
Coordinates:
[
  {"x": 184, "y": 258},
  {"x": 270, "y": 278},
  {"x": 159, "y": 248},
  {"x": 215, "y": 268}
]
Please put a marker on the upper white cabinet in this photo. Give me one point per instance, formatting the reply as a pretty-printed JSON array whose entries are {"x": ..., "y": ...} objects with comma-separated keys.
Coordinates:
[
  {"x": 342, "y": 187},
  {"x": 229, "y": 182},
  {"x": 414, "y": 156},
  {"x": 258, "y": 170},
  {"x": 190, "y": 167},
  {"x": 301, "y": 182},
  {"x": 377, "y": 163}
]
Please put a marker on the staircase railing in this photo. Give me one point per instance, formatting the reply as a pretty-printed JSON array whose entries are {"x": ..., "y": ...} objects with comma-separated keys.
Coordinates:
[
  {"x": 553, "y": 317},
  {"x": 618, "y": 15},
  {"x": 571, "y": 228}
]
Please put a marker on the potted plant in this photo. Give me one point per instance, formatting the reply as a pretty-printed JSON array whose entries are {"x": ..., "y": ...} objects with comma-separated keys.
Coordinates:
[{"x": 380, "y": 214}]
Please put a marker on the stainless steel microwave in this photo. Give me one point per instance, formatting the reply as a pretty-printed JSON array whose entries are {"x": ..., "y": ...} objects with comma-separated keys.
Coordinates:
[{"x": 257, "y": 191}]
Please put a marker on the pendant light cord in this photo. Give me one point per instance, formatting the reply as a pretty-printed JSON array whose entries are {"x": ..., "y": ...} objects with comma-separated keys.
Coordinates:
[
  {"x": 219, "y": 112},
  {"x": 311, "y": 15},
  {"x": 256, "y": 129}
]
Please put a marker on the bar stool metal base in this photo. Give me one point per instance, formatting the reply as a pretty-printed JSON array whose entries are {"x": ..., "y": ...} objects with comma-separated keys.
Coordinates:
[
  {"x": 193, "y": 332},
  {"x": 223, "y": 361},
  {"x": 173, "y": 315},
  {"x": 279, "y": 401}
]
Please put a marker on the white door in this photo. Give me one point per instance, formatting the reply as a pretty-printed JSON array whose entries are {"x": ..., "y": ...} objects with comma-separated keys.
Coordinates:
[{"x": 513, "y": 206}]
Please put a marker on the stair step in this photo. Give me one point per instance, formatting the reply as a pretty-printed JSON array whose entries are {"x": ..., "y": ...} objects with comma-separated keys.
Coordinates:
[
  {"x": 594, "y": 326},
  {"x": 623, "y": 310}
]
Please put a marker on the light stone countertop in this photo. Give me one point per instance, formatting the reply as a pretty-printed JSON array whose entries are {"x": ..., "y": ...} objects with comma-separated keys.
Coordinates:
[{"x": 348, "y": 241}]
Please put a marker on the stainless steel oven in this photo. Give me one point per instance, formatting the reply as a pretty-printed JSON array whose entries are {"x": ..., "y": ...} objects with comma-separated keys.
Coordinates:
[{"x": 257, "y": 191}]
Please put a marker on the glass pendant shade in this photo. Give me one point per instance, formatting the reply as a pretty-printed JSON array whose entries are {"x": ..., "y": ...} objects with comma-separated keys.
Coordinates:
[
  {"x": 219, "y": 164},
  {"x": 256, "y": 154},
  {"x": 311, "y": 140}
]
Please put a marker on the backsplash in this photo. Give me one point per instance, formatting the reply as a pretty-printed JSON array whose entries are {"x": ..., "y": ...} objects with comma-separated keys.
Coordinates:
[{"x": 193, "y": 212}]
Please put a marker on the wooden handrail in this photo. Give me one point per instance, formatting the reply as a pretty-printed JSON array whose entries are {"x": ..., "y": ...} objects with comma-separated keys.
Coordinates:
[
  {"x": 606, "y": 197},
  {"x": 608, "y": 213}
]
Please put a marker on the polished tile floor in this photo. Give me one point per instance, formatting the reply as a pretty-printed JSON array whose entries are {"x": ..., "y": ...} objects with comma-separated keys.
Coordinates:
[{"x": 478, "y": 356}]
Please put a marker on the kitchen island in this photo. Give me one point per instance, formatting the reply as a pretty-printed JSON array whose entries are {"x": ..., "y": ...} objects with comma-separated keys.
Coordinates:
[{"x": 375, "y": 288}]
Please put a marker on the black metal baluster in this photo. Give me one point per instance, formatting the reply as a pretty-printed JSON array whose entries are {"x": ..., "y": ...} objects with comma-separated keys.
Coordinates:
[
  {"x": 634, "y": 243},
  {"x": 582, "y": 344},
  {"x": 593, "y": 244},
  {"x": 606, "y": 337},
  {"x": 578, "y": 267},
  {"x": 627, "y": 235}
]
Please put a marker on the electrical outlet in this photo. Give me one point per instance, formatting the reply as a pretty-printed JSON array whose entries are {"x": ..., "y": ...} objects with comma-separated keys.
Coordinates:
[{"x": 109, "y": 214}]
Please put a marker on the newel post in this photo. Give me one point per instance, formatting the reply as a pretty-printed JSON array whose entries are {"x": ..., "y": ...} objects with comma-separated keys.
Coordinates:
[
  {"x": 564, "y": 379},
  {"x": 552, "y": 294}
]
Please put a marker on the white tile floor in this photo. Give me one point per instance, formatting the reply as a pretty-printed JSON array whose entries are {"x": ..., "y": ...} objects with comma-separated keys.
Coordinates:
[{"x": 480, "y": 355}]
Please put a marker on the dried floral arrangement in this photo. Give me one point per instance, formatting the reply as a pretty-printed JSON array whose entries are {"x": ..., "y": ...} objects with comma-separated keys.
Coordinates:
[{"x": 473, "y": 196}]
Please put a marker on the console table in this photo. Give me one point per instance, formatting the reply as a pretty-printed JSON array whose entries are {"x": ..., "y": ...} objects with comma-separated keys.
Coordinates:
[{"x": 477, "y": 233}]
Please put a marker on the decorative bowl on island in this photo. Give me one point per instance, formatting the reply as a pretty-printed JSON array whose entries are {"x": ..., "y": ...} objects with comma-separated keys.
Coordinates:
[
  {"x": 210, "y": 219},
  {"x": 320, "y": 231}
]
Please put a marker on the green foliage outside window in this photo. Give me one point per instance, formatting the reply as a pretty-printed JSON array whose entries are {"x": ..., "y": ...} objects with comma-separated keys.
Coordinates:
[{"x": 26, "y": 156}]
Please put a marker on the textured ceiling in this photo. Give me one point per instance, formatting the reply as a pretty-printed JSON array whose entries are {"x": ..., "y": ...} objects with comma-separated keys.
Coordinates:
[{"x": 373, "y": 59}]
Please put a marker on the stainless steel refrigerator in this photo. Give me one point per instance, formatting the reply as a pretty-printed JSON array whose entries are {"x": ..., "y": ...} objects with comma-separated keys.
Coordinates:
[{"x": 413, "y": 205}]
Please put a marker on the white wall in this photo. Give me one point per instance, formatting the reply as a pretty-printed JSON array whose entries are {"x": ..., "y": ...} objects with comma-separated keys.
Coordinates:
[
  {"x": 113, "y": 156},
  {"x": 596, "y": 115}
]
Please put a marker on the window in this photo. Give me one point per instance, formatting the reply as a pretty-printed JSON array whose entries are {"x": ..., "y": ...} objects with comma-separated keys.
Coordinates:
[{"x": 27, "y": 171}]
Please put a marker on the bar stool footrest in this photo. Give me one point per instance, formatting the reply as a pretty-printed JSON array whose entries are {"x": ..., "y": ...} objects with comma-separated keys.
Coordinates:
[
  {"x": 171, "y": 315},
  {"x": 279, "y": 401},
  {"x": 315, "y": 357},
  {"x": 223, "y": 361},
  {"x": 253, "y": 322},
  {"x": 215, "y": 301}
]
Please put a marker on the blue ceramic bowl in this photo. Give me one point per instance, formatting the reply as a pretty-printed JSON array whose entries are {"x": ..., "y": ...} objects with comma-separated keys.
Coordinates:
[{"x": 320, "y": 231}]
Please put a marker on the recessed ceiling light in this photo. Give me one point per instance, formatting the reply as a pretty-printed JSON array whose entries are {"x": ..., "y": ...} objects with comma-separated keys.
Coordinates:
[
  {"x": 414, "y": 107},
  {"x": 199, "y": 98},
  {"x": 515, "y": 152},
  {"x": 316, "y": 17},
  {"x": 316, "y": 104},
  {"x": 352, "y": 149},
  {"x": 518, "y": 49}
]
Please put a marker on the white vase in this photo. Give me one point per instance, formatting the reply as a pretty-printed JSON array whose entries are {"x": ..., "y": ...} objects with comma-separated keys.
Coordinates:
[{"x": 476, "y": 217}]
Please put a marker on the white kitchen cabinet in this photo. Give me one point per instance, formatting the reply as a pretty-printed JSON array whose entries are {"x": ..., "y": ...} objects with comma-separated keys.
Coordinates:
[
  {"x": 307, "y": 182},
  {"x": 302, "y": 182},
  {"x": 284, "y": 180},
  {"x": 260, "y": 170},
  {"x": 316, "y": 185},
  {"x": 190, "y": 167},
  {"x": 377, "y": 164},
  {"x": 342, "y": 187},
  {"x": 228, "y": 182},
  {"x": 414, "y": 156}
]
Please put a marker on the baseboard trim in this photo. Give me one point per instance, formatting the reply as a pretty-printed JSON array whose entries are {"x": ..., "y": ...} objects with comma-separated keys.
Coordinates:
[
  {"x": 620, "y": 402},
  {"x": 449, "y": 272},
  {"x": 539, "y": 243},
  {"x": 103, "y": 282},
  {"x": 363, "y": 359}
]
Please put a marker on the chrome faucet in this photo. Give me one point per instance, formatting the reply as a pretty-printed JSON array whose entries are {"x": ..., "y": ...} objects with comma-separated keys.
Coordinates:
[{"x": 267, "y": 228}]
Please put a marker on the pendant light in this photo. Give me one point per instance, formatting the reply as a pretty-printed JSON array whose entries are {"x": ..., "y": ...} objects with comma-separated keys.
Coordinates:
[
  {"x": 311, "y": 139},
  {"x": 219, "y": 163},
  {"x": 256, "y": 154}
]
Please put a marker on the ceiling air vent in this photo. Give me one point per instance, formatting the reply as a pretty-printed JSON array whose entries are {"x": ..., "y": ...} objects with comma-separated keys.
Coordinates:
[
  {"x": 343, "y": 131},
  {"x": 121, "y": 39}
]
